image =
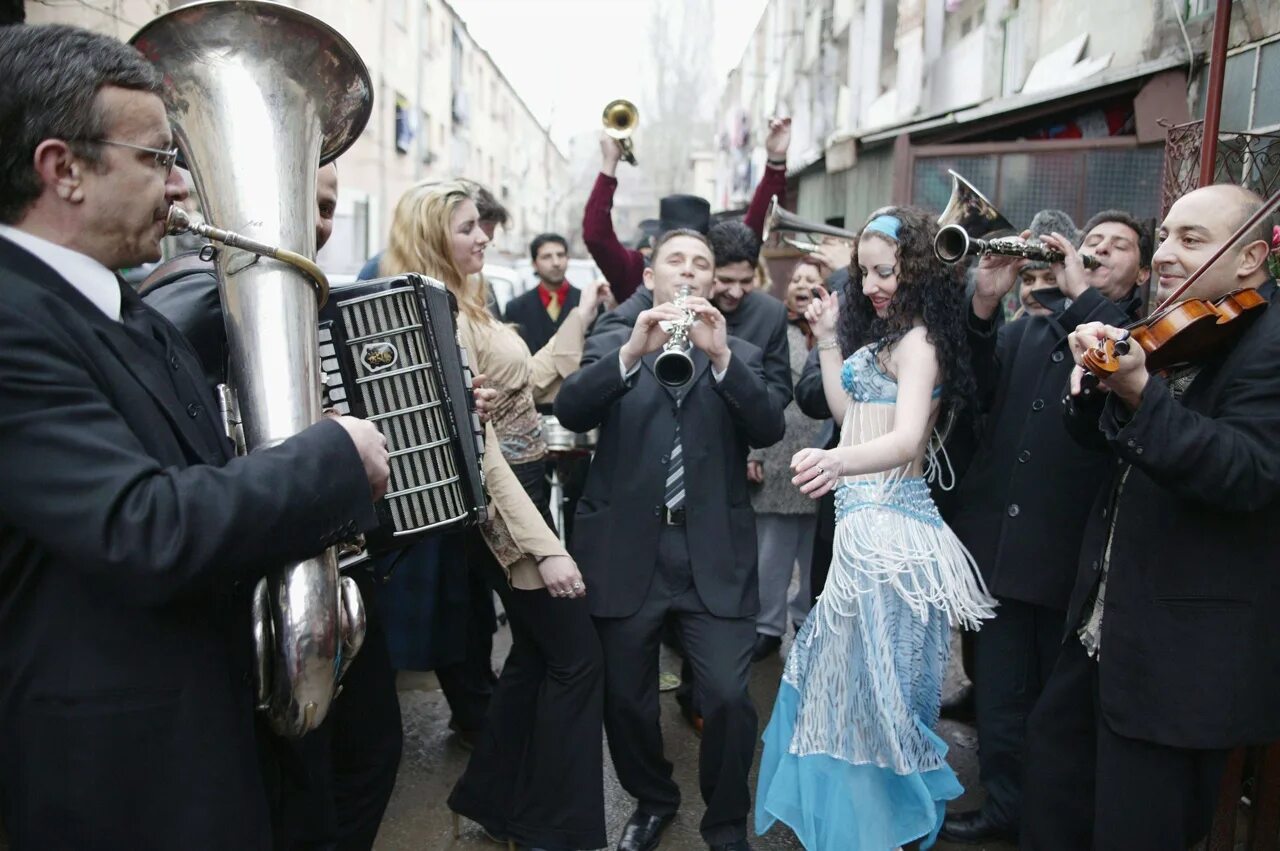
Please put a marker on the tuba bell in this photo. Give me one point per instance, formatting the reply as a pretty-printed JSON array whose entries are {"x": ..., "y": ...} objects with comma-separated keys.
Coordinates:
[
  {"x": 620, "y": 118},
  {"x": 971, "y": 225},
  {"x": 809, "y": 235},
  {"x": 260, "y": 95}
]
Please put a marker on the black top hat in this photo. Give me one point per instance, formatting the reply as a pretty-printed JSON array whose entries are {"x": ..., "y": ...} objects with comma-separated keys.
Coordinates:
[{"x": 684, "y": 211}]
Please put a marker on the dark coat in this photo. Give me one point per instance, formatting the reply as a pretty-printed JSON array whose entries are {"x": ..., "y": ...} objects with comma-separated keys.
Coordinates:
[
  {"x": 617, "y": 525},
  {"x": 534, "y": 323},
  {"x": 1190, "y": 653},
  {"x": 760, "y": 320},
  {"x": 128, "y": 544},
  {"x": 1022, "y": 504}
]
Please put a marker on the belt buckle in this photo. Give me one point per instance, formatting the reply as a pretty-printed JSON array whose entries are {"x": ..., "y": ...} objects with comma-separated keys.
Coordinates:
[{"x": 673, "y": 517}]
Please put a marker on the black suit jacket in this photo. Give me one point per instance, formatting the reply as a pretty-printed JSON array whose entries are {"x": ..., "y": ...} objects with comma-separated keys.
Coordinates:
[
  {"x": 535, "y": 324},
  {"x": 618, "y": 521},
  {"x": 760, "y": 320},
  {"x": 1022, "y": 505},
  {"x": 128, "y": 543},
  {"x": 1190, "y": 653}
]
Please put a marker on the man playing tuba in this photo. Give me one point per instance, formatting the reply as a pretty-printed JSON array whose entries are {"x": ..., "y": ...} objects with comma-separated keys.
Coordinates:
[{"x": 129, "y": 536}]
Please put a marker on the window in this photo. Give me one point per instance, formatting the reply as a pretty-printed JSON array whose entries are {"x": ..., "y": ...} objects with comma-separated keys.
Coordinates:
[
  {"x": 399, "y": 13},
  {"x": 1250, "y": 90},
  {"x": 404, "y": 125},
  {"x": 425, "y": 154}
]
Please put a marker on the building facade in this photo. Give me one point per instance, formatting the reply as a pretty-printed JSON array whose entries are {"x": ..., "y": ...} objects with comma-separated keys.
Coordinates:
[
  {"x": 1039, "y": 103},
  {"x": 442, "y": 109}
]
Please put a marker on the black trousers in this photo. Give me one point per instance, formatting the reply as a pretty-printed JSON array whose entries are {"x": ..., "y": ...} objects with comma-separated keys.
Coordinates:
[
  {"x": 468, "y": 685},
  {"x": 1014, "y": 654},
  {"x": 1090, "y": 788},
  {"x": 537, "y": 773},
  {"x": 335, "y": 782},
  {"x": 719, "y": 649}
]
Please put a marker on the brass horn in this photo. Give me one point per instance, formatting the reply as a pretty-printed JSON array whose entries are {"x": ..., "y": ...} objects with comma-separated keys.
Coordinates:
[
  {"x": 260, "y": 94},
  {"x": 972, "y": 226},
  {"x": 620, "y": 119},
  {"x": 783, "y": 221}
]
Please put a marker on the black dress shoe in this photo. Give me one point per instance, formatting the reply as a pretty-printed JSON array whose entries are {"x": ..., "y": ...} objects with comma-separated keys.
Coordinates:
[
  {"x": 766, "y": 646},
  {"x": 975, "y": 827},
  {"x": 737, "y": 845},
  {"x": 643, "y": 831}
]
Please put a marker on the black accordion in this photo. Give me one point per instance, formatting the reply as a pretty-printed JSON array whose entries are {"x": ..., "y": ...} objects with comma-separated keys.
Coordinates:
[{"x": 390, "y": 354}]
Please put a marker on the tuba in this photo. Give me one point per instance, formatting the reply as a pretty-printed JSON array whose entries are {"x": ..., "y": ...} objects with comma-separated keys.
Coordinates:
[
  {"x": 971, "y": 225},
  {"x": 782, "y": 221},
  {"x": 620, "y": 119},
  {"x": 260, "y": 94}
]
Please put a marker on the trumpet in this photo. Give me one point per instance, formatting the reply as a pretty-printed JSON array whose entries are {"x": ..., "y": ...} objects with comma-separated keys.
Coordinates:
[
  {"x": 620, "y": 119},
  {"x": 674, "y": 367},
  {"x": 972, "y": 226},
  {"x": 810, "y": 234}
]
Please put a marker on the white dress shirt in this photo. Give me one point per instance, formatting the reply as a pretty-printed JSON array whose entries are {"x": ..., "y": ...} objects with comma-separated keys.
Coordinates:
[{"x": 94, "y": 281}]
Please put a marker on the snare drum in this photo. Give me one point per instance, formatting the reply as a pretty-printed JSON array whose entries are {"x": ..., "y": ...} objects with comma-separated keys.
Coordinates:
[{"x": 561, "y": 441}]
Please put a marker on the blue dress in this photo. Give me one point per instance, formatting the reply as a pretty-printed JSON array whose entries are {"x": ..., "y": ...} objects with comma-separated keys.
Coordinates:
[{"x": 850, "y": 757}]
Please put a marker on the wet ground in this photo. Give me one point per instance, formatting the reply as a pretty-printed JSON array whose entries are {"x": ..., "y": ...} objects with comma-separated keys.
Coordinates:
[{"x": 418, "y": 820}]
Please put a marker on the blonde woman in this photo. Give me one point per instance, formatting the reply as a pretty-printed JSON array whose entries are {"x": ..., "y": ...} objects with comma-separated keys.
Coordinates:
[{"x": 536, "y": 775}]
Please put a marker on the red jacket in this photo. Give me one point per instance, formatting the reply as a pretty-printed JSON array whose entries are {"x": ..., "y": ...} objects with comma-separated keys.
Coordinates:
[{"x": 623, "y": 267}]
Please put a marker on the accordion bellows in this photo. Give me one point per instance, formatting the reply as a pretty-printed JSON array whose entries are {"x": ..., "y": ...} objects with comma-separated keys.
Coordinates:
[{"x": 390, "y": 354}]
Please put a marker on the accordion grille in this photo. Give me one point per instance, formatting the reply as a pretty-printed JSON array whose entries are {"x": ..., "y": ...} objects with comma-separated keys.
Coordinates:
[{"x": 400, "y": 387}]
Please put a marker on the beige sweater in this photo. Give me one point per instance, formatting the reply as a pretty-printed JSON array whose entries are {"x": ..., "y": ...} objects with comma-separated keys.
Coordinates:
[{"x": 516, "y": 533}]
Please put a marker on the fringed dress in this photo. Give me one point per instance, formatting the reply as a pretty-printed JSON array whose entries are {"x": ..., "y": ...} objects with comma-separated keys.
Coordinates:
[{"x": 850, "y": 757}]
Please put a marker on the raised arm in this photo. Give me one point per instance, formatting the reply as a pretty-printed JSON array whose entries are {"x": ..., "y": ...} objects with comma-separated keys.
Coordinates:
[
  {"x": 774, "y": 180},
  {"x": 622, "y": 267}
]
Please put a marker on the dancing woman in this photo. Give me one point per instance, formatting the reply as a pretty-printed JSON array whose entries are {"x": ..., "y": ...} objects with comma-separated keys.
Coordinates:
[
  {"x": 850, "y": 758},
  {"x": 536, "y": 775}
]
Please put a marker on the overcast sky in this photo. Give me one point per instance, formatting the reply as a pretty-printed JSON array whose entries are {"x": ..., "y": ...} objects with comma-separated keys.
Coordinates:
[{"x": 568, "y": 58}]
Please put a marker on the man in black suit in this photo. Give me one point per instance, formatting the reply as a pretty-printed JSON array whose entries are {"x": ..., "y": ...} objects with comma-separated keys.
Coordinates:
[
  {"x": 1022, "y": 506},
  {"x": 1171, "y": 656},
  {"x": 332, "y": 786},
  {"x": 665, "y": 526},
  {"x": 539, "y": 312},
  {"x": 129, "y": 537}
]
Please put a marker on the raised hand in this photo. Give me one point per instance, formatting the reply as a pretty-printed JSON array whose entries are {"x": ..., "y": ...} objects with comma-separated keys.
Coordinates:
[
  {"x": 610, "y": 154},
  {"x": 779, "y": 138},
  {"x": 823, "y": 314},
  {"x": 592, "y": 296}
]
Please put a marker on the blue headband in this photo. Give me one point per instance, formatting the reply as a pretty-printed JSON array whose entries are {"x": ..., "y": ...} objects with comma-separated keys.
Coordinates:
[{"x": 885, "y": 224}]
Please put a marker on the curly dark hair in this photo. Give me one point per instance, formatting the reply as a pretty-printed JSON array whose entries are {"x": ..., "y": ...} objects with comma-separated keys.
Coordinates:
[{"x": 928, "y": 290}]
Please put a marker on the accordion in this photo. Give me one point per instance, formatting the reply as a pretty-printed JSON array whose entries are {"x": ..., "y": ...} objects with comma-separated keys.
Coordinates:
[{"x": 389, "y": 351}]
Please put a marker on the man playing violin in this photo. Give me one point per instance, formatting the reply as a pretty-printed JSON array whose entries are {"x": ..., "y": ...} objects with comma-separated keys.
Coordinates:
[
  {"x": 1171, "y": 657},
  {"x": 1022, "y": 504}
]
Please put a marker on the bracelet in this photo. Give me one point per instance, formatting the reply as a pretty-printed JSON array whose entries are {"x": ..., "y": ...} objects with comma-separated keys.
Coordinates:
[
  {"x": 782, "y": 163},
  {"x": 829, "y": 343}
]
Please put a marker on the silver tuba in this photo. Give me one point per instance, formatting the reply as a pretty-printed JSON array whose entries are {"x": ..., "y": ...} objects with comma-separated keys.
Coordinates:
[{"x": 260, "y": 94}]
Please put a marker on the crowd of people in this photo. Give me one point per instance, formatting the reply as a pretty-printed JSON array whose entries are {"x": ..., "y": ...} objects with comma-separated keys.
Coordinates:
[{"x": 918, "y": 440}]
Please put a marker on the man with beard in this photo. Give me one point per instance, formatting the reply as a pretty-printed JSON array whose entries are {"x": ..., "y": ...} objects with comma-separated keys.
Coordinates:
[
  {"x": 1022, "y": 505},
  {"x": 539, "y": 312}
]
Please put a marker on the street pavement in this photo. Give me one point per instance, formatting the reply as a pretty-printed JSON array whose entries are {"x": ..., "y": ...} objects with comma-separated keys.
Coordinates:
[{"x": 417, "y": 818}]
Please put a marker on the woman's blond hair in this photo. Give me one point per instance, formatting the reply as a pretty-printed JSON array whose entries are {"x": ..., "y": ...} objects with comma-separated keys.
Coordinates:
[{"x": 421, "y": 242}]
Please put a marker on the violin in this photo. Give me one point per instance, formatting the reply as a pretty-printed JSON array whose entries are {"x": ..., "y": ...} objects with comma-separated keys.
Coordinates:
[{"x": 1187, "y": 332}]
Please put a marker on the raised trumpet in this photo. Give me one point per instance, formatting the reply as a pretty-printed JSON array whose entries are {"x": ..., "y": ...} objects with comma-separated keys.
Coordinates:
[
  {"x": 972, "y": 226},
  {"x": 620, "y": 119}
]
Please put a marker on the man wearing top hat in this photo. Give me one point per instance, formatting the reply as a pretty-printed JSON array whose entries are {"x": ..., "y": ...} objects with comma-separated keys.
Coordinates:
[
  {"x": 1022, "y": 504},
  {"x": 623, "y": 267}
]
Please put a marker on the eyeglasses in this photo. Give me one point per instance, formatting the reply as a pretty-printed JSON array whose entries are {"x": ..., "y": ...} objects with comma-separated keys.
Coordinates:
[{"x": 164, "y": 158}]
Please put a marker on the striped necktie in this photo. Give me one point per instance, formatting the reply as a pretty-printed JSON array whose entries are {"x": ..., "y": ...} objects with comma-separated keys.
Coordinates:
[{"x": 675, "y": 474}]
